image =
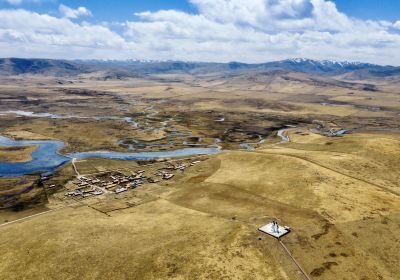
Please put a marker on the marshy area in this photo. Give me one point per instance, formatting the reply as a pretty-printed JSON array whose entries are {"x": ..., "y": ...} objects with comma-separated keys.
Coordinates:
[{"x": 181, "y": 162}]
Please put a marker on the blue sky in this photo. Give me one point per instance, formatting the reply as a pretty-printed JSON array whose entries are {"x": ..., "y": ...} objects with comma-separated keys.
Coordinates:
[
  {"x": 114, "y": 10},
  {"x": 124, "y": 9},
  {"x": 202, "y": 30},
  {"x": 370, "y": 9}
]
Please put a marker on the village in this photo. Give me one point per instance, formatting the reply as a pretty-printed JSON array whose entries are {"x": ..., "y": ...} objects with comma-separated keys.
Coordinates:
[{"x": 116, "y": 182}]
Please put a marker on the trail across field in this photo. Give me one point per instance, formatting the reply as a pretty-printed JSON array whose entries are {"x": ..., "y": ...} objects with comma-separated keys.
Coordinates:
[{"x": 39, "y": 214}]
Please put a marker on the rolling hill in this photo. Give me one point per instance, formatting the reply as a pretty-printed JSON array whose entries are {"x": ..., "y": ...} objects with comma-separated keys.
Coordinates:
[{"x": 131, "y": 68}]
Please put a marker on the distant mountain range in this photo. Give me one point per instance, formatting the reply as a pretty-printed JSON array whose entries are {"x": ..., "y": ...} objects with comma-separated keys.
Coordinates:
[
  {"x": 17, "y": 66},
  {"x": 131, "y": 68}
]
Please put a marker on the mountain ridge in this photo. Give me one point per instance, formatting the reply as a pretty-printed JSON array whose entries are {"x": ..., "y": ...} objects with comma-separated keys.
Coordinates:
[{"x": 128, "y": 68}]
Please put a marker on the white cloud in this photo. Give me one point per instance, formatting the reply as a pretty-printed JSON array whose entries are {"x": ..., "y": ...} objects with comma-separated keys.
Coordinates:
[
  {"x": 28, "y": 34},
  {"x": 73, "y": 13},
  {"x": 19, "y": 2},
  {"x": 222, "y": 30},
  {"x": 261, "y": 30},
  {"x": 397, "y": 24}
]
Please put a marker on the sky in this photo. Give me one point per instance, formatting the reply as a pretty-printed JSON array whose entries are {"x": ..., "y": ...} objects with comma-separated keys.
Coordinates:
[{"x": 251, "y": 31}]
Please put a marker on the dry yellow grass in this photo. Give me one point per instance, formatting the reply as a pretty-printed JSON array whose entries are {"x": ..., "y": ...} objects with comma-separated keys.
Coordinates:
[
  {"x": 81, "y": 135},
  {"x": 157, "y": 240},
  {"x": 16, "y": 154},
  {"x": 339, "y": 195},
  {"x": 203, "y": 224}
]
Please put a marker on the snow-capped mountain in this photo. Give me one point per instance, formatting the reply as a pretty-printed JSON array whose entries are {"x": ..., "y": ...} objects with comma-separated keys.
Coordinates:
[
  {"x": 327, "y": 62},
  {"x": 131, "y": 68},
  {"x": 324, "y": 67}
]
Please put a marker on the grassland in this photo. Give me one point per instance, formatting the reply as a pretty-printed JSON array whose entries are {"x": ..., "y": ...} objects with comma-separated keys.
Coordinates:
[
  {"x": 340, "y": 195},
  {"x": 165, "y": 231},
  {"x": 16, "y": 154}
]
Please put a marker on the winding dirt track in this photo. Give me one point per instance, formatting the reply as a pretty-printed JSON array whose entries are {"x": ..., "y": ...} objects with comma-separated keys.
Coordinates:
[
  {"x": 39, "y": 214},
  {"x": 74, "y": 166}
]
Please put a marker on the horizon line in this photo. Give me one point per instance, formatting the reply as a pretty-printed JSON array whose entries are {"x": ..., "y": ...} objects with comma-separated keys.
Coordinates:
[{"x": 194, "y": 61}]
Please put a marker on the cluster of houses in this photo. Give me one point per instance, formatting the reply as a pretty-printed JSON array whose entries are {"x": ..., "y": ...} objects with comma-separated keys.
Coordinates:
[
  {"x": 115, "y": 182},
  {"x": 180, "y": 165},
  {"x": 165, "y": 175}
]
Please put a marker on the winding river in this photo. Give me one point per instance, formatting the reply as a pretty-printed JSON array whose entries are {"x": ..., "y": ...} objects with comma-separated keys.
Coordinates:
[
  {"x": 56, "y": 116},
  {"x": 46, "y": 157},
  {"x": 282, "y": 136},
  {"x": 250, "y": 145}
]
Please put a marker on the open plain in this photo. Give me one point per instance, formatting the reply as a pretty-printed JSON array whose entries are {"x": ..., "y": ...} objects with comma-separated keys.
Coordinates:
[{"x": 339, "y": 193}]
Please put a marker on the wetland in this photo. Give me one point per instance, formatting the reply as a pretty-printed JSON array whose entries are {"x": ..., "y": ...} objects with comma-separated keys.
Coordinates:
[{"x": 179, "y": 160}]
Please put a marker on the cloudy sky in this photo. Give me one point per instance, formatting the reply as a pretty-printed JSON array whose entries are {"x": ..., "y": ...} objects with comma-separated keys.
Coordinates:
[{"x": 202, "y": 30}]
